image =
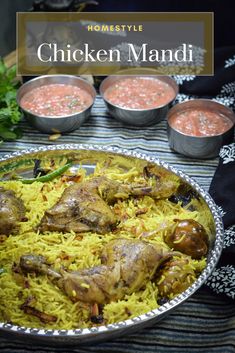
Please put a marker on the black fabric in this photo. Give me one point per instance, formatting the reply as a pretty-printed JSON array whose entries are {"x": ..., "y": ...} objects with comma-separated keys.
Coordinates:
[
  {"x": 222, "y": 187},
  {"x": 222, "y": 190},
  {"x": 210, "y": 86}
]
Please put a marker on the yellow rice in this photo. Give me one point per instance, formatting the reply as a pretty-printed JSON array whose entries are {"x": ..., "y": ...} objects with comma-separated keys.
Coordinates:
[{"x": 75, "y": 252}]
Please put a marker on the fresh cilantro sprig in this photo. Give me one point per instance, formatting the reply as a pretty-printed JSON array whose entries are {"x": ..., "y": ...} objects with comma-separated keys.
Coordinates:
[{"x": 10, "y": 114}]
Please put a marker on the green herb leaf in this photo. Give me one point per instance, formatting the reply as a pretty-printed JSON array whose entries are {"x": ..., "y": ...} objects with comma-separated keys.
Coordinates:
[
  {"x": 6, "y": 133},
  {"x": 10, "y": 114},
  {"x": 11, "y": 73},
  {"x": 18, "y": 132},
  {"x": 2, "y": 270}
]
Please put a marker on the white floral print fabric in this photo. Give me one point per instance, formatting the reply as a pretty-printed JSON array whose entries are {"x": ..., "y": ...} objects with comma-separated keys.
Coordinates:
[
  {"x": 227, "y": 153},
  {"x": 229, "y": 62},
  {"x": 222, "y": 280},
  {"x": 229, "y": 237}
]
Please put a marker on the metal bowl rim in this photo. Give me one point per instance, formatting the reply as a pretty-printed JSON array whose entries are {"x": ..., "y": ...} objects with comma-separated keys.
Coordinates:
[
  {"x": 155, "y": 313},
  {"x": 54, "y": 116},
  {"x": 102, "y": 92},
  {"x": 199, "y": 100}
]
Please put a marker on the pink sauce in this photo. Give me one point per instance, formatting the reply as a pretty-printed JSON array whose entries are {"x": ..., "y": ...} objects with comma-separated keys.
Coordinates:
[
  {"x": 56, "y": 100},
  {"x": 200, "y": 122},
  {"x": 139, "y": 93}
]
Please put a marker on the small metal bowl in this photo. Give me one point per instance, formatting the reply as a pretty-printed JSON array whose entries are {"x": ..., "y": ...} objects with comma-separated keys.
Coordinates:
[
  {"x": 53, "y": 124},
  {"x": 203, "y": 147},
  {"x": 137, "y": 117}
]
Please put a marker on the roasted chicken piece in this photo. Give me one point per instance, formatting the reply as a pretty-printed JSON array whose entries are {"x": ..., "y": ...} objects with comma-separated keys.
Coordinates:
[
  {"x": 86, "y": 206},
  {"x": 111, "y": 190},
  {"x": 138, "y": 262},
  {"x": 12, "y": 211},
  {"x": 93, "y": 285},
  {"x": 174, "y": 276},
  {"x": 126, "y": 267},
  {"x": 37, "y": 263},
  {"x": 188, "y": 237},
  {"x": 79, "y": 209},
  {"x": 163, "y": 186}
]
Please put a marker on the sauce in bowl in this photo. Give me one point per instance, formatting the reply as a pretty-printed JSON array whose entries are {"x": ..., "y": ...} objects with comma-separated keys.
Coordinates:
[
  {"x": 200, "y": 122},
  {"x": 56, "y": 100},
  {"x": 139, "y": 93}
]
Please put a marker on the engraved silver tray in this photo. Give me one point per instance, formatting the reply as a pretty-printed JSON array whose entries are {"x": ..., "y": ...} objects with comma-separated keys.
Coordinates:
[{"x": 21, "y": 162}]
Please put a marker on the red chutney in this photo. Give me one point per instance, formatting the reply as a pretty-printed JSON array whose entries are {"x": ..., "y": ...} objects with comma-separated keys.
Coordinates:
[
  {"x": 56, "y": 100},
  {"x": 200, "y": 122},
  {"x": 139, "y": 93}
]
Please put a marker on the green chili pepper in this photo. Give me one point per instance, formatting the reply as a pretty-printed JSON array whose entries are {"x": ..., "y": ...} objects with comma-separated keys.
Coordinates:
[
  {"x": 49, "y": 176},
  {"x": 2, "y": 270}
]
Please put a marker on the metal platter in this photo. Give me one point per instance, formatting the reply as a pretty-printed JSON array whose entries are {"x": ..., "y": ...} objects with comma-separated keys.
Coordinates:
[{"x": 87, "y": 155}]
